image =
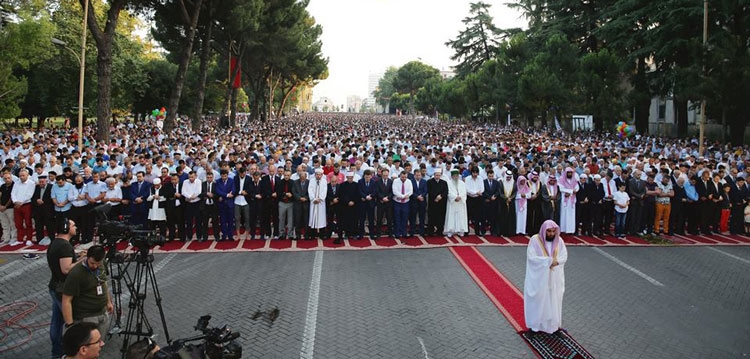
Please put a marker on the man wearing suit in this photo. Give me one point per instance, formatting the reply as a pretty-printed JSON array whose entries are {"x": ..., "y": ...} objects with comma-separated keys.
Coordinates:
[
  {"x": 637, "y": 191},
  {"x": 139, "y": 192},
  {"x": 241, "y": 200},
  {"x": 596, "y": 199},
  {"x": 301, "y": 204},
  {"x": 209, "y": 207},
  {"x": 350, "y": 198},
  {"x": 385, "y": 204},
  {"x": 285, "y": 199},
  {"x": 738, "y": 199},
  {"x": 43, "y": 210},
  {"x": 418, "y": 204},
  {"x": 257, "y": 194},
  {"x": 489, "y": 205},
  {"x": 334, "y": 210},
  {"x": 437, "y": 196},
  {"x": 270, "y": 210},
  {"x": 707, "y": 192},
  {"x": 368, "y": 192},
  {"x": 225, "y": 193},
  {"x": 175, "y": 209}
]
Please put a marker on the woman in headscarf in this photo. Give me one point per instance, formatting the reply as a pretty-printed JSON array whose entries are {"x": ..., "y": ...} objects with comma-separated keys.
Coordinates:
[
  {"x": 544, "y": 284},
  {"x": 522, "y": 201}
]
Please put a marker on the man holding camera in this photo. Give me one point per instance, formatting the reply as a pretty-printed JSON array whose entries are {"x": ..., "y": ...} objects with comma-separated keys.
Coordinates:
[{"x": 85, "y": 297}]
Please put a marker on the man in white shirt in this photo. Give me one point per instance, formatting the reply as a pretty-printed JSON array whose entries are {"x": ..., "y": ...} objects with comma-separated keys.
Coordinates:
[
  {"x": 21, "y": 198},
  {"x": 474, "y": 191},
  {"x": 191, "y": 191},
  {"x": 402, "y": 190}
]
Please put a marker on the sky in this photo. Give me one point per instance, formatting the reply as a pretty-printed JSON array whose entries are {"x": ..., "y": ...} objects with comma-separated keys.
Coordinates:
[{"x": 363, "y": 36}]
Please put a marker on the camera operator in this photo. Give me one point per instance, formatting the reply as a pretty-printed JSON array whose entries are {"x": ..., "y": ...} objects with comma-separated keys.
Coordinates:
[
  {"x": 85, "y": 295},
  {"x": 82, "y": 341},
  {"x": 60, "y": 258}
]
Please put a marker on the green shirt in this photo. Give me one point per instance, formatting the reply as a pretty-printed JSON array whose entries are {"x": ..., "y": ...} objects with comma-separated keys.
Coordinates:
[{"x": 82, "y": 284}]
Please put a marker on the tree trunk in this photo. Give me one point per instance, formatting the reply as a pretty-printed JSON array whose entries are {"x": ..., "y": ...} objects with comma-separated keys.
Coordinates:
[
  {"x": 643, "y": 98},
  {"x": 233, "y": 115},
  {"x": 203, "y": 75},
  {"x": 681, "y": 116},
  {"x": 284, "y": 99},
  {"x": 104, "y": 89},
  {"x": 544, "y": 118},
  {"x": 737, "y": 124},
  {"x": 179, "y": 79}
]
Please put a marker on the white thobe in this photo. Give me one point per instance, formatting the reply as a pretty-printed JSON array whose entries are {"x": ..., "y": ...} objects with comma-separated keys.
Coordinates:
[
  {"x": 544, "y": 287},
  {"x": 521, "y": 213},
  {"x": 456, "y": 218},
  {"x": 568, "y": 210},
  {"x": 317, "y": 189}
]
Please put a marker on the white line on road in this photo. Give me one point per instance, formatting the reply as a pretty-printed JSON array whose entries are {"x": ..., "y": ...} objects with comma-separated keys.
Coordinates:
[
  {"x": 424, "y": 349},
  {"x": 311, "y": 319},
  {"x": 730, "y": 255},
  {"x": 628, "y": 267}
]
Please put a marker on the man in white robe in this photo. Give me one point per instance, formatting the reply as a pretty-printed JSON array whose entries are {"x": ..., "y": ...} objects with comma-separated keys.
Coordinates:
[
  {"x": 544, "y": 285},
  {"x": 317, "y": 191},
  {"x": 456, "y": 218},
  {"x": 568, "y": 187}
]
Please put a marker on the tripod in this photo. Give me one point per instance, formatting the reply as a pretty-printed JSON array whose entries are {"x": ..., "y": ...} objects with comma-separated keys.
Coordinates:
[{"x": 137, "y": 324}]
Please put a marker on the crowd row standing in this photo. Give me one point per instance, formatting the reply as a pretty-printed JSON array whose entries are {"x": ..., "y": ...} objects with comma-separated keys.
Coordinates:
[{"x": 350, "y": 176}]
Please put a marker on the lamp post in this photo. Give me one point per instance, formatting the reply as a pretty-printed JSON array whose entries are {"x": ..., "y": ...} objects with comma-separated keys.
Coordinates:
[
  {"x": 702, "y": 125},
  {"x": 81, "y": 76}
]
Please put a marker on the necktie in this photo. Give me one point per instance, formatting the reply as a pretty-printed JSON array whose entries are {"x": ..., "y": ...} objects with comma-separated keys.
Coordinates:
[
  {"x": 403, "y": 190},
  {"x": 273, "y": 184},
  {"x": 609, "y": 189},
  {"x": 139, "y": 187},
  {"x": 209, "y": 191},
  {"x": 334, "y": 191},
  {"x": 367, "y": 184}
]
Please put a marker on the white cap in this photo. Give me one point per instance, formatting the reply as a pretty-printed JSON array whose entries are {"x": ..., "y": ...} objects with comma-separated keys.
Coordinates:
[
  {"x": 157, "y": 181},
  {"x": 318, "y": 170},
  {"x": 350, "y": 174},
  {"x": 597, "y": 177}
]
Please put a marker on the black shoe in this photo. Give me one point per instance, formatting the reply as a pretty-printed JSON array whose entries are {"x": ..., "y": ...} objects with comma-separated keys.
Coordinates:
[{"x": 337, "y": 241}]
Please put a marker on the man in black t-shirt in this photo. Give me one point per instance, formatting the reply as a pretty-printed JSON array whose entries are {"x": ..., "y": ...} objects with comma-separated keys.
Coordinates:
[{"x": 60, "y": 258}]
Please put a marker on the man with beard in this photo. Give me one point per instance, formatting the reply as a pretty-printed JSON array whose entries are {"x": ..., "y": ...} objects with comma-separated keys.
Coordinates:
[
  {"x": 385, "y": 203},
  {"x": 350, "y": 197},
  {"x": 270, "y": 212},
  {"x": 569, "y": 187},
  {"x": 368, "y": 191},
  {"x": 551, "y": 199},
  {"x": 286, "y": 206},
  {"x": 506, "y": 201},
  {"x": 534, "y": 204},
  {"x": 456, "y": 218},
  {"x": 317, "y": 191},
  {"x": 583, "y": 205},
  {"x": 77, "y": 197},
  {"x": 418, "y": 204},
  {"x": 544, "y": 284},
  {"x": 43, "y": 211},
  {"x": 437, "y": 195},
  {"x": 301, "y": 204},
  {"x": 596, "y": 199},
  {"x": 490, "y": 205},
  {"x": 334, "y": 209},
  {"x": 474, "y": 189},
  {"x": 522, "y": 199}
]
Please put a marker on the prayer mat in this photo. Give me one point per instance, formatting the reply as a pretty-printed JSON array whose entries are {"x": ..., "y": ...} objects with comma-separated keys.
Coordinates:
[{"x": 559, "y": 345}]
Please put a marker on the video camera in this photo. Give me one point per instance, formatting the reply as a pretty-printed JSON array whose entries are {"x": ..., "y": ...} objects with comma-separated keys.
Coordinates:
[
  {"x": 112, "y": 232},
  {"x": 218, "y": 343}
]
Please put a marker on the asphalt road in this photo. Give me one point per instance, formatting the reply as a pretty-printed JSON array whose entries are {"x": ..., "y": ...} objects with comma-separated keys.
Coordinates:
[{"x": 619, "y": 303}]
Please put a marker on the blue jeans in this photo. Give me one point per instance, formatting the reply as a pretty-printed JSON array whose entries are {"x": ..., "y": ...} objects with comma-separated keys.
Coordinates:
[
  {"x": 56, "y": 326},
  {"x": 620, "y": 222}
]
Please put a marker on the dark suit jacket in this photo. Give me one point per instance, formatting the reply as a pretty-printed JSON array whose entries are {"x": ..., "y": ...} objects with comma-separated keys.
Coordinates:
[
  {"x": 48, "y": 206},
  {"x": 704, "y": 190},
  {"x": 330, "y": 196},
  {"x": 204, "y": 192},
  {"x": 385, "y": 190},
  {"x": 421, "y": 191},
  {"x": 280, "y": 193},
  {"x": 222, "y": 190},
  {"x": 435, "y": 188},
  {"x": 371, "y": 190},
  {"x": 494, "y": 191},
  {"x": 259, "y": 189},
  {"x": 597, "y": 193},
  {"x": 169, "y": 192},
  {"x": 300, "y": 191},
  {"x": 267, "y": 188},
  {"x": 245, "y": 187},
  {"x": 349, "y": 192}
]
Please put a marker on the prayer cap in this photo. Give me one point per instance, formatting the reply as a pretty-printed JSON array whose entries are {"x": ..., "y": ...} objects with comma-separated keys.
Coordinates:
[{"x": 157, "y": 181}]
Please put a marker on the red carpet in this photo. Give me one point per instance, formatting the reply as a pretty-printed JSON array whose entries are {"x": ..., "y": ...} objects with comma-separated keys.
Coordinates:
[
  {"x": 328, "y": 243},
  {"x": 635, "y": 239},
  {"x": 361, "y": 243},
  {"x": 471, "y": 240},
  {"x": 307, "y": 244},
  {"x": 506, "y": 297},
  {"x": 280, "y": 244},
  {"x": 172, "y": 245},
  {"x": 9, "y": 248},
  {"x": 226, "y": 245},
  {"x": 495, "y": 240},
  {"x": 412, "y": 241},
  {"x": 199, "y": 246},
  {"x": 591, "y": 240},
  {"x": 386, "y": 242},
  {"x": 253, "y": 244},
  {"x": 614, "y": 240},
  {"x": 436, "y": 241},
  {"x": 519, "y": 239},
  {"x": 722, "y": 239}
]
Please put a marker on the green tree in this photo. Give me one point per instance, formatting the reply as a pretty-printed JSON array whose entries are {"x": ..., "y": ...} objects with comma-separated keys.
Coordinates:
[
  {"x": 601, "y": 88},
  {"x": 385, "y": 87},
  {"x": 411, "y": 77}
]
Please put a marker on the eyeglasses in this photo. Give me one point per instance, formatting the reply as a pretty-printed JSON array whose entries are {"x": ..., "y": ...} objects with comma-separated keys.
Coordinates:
[{"x": 100, "y": 342}]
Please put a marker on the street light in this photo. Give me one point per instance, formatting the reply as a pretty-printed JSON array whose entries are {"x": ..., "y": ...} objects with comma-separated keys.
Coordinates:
[{"x": 82, "y": 62}]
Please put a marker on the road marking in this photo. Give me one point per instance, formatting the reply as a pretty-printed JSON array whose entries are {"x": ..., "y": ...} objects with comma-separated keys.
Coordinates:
[
  {"x": 311, "y": 319},
  {"x": 628, "y": 267},
  {"x": 730, "y": 255},
  {"x": 424, "y": 349}
]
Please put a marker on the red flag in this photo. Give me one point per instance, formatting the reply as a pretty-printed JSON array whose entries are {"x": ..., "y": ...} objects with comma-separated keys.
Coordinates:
[{"x": 236, "y": 71}]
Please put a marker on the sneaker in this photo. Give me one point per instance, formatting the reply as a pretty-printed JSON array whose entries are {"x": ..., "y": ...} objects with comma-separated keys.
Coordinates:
[
  {"x": 29, "y": 243},
  {"x": 30, "y": 256},
  {"x": 45, "y": 241},
  {"x": 15, "y": 242}
]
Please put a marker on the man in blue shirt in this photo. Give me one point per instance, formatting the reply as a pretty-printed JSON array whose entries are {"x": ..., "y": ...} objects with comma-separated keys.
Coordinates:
[{"x": 60, "y": 197}]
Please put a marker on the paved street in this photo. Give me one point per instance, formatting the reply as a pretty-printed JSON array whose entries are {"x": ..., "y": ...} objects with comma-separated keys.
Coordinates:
[{"x": 682, "y": 302}]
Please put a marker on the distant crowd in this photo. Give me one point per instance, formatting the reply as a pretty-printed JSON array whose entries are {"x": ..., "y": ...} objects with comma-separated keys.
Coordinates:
[{"x": 348, "y": 176}]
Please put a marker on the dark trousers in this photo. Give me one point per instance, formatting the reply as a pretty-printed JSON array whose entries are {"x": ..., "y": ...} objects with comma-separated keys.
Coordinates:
[
  {"x": 140, "y": 213},
  {"x": 77, "y": 214},
  {"x": 192, "y": 220},
  {"x": 43, "y": 219},
  {"x": 737, "y": 218},
  {"x": 583, "y": 217},
  {"x": 692, "y": 215},
  {"x": 489, "y": 221},
  {"x": 270, "y": 218},
  {"x": 366, "y": 213},
  {"x": 333, "y": 219},
  {"x": 677, "y": 217},
  {"x": 507, "y": 218},
  {"x": 87, "y": 223},
  {"x": 385, "y": 212},
  {"x": 210, "y": 212},
  {"x": 417, "y": 214},
  {"x": 176, "y": 222},
  {"x": 708, "y": 217},
  {"x": 608, "y": 213},
  {"x": 400, "y": 218},
  {"x": 301, "y": 217},
  {"x": 348, "y": 220},
  {"x": 255, "y": 208},
  {"x": 649, "y": 213},
  {"x": 595, "y": 217},
  {"x": 635, "y": 217},
  {"x": 226, "y": 216},
  {"x": 435, "y": 218},
  {"x": 474, "y": 211}
]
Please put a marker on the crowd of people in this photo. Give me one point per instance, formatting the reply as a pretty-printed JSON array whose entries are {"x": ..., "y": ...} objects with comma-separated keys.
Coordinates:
[{"x": 356, "y": 175}]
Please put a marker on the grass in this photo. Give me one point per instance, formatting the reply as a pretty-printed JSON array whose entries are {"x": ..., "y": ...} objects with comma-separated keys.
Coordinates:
[{"x": 657, "y": 240}]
